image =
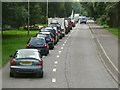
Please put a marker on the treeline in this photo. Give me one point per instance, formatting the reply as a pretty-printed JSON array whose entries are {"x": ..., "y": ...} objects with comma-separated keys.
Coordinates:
[
  {"x": 103, "y": 12},
  {"x": 18, "y": 14}
]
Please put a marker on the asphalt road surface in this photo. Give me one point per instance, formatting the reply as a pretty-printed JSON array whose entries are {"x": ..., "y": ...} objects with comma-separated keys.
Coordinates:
[{"x": 74, "y": 63}]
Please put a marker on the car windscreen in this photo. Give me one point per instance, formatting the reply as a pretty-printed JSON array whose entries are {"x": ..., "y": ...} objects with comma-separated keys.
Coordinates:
[
  {"x": 27, "y": 54},
  {"x": 36, "y": 41}
]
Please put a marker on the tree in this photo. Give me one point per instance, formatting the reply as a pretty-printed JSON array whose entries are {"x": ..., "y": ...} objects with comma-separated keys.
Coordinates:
[
  {"x": 35, "y": 13},
  {"x": 15, "y": 14}
]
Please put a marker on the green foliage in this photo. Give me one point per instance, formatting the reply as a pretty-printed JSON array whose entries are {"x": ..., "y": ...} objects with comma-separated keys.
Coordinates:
[
  {"x": 18, "y": 14},
  {"x": 13, "y": 40},
  {"x": 85, "y": 13},
  {"x": 14, "y": 14},
  {"x": 103, "y": 12}
]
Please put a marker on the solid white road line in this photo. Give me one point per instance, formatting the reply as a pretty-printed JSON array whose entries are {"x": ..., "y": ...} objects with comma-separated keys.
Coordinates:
[
  {"x": 53, "y": 80},
  {"x": 91, "y": 34},
  {"x": 107, "y": 56},
  {"x": 101, "y": 59}
]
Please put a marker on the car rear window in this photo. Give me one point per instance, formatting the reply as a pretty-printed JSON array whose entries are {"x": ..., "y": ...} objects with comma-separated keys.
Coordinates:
[
  {"x": 27, "y": 54},
  {"x": 34, "y": 41},
  {"x": 83, "y": 18}
]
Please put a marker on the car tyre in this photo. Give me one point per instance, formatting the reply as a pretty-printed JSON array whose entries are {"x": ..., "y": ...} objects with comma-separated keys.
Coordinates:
[
  {"x": 48, "y": 52},
  {"x": 40, "y": 75},
  {"x": 52, "y": 47},
  {"x": 11, "y": 74}
]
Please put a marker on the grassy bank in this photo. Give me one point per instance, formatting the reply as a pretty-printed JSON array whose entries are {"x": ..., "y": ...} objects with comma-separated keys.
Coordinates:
[
  {"x": 114, "y": 31},
  {"x": 12, "y": 40}
]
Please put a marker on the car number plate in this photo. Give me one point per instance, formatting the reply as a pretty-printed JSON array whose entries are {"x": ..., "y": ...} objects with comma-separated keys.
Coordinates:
[{"x": 26, "y": 63}]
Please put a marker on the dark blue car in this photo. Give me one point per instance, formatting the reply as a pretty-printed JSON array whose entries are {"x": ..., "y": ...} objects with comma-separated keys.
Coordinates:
[
  {"x": 38, "y": 43},
  {"x": 47, "y": 37}
]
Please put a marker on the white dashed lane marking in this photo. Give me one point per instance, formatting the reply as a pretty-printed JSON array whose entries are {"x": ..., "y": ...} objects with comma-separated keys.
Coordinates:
[
  {"x": 56, "y": 62},
  {"x": 60, "y": 52},
  {"x": 63, "y": 44},
  {"x": 61, "y": 47},
  {"x": 54, "y": 69},
  {"x": 53, "y": 80},
  {"x": 58, "y": 56}
]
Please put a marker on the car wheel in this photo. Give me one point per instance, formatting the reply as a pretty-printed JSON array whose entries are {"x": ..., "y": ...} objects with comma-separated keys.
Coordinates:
[
  {"x": 11, "y": 74},
  {"x": 52, "y": 47},
  {"x": 15, "y": 75},
  {"x": 48, "y": 52},
  {"x": 40, "y": 75}
]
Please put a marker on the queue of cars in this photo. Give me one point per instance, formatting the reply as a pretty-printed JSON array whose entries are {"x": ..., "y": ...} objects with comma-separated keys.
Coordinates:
[{"x": 29, "y": 60}]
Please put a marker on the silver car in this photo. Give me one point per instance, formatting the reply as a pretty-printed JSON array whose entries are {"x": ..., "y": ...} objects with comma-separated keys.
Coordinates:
[{"x": 26, "y": 61}]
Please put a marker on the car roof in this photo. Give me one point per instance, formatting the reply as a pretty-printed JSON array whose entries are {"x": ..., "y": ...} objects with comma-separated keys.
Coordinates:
[
  {"x": 48, "y": 28},
  {"x": 23, "y": 50},
  {"x": 44, "y": 33},
  {"x": 39, "y": 38}
]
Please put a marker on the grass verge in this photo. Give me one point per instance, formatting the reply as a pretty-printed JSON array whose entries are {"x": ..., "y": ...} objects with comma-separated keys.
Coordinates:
[
  {"x": 13, "y": 40},
  {"x": 114, "y": 31}
]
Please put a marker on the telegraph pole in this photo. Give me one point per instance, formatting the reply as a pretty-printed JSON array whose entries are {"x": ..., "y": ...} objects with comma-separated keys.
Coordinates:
[
  {"x": 28, "y": 19},
  {"x": 47, "y": 13}
]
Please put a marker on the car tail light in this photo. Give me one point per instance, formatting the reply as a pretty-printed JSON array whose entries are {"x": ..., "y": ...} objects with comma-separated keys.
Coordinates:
[
  {"x": 53, "y": 36},
  {"x": 62, "y": 30},
  {"x": 57, "y": 33},
  {"x": 28, "y": 45},
  {"x": 51, "y": 40},
  {"x": 12, "y": 62},
  {"x": 40, "y": 63},
  {"x": 45, "y": 46}
]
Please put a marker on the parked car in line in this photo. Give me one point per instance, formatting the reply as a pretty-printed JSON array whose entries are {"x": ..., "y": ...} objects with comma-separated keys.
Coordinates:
[
  {"x": 59, "y": 21},
  {"x": 73, "y": 23},
  {"x": 50, "y": 29},
  {"x": 76, "y": 17},
  {"x": 57, "y": 33},
  {"x": 38, "y": 43},
  {"x": 58, "y": 29},
  {"x": 26, "y": 61},
  {"x": 47, "y": 37},
  {"x": 69, "y": 24},
  {"x": 83, "y": 19},
  {"x": 66, "y": 26}
]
